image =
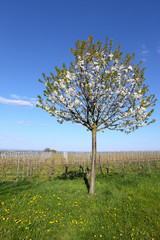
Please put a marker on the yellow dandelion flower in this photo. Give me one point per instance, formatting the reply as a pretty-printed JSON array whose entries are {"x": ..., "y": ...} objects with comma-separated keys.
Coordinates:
[
  {"x": 95, "y": 235},
  {"x": 51, "y": 222},
  {"x": 100, "y": 235}
]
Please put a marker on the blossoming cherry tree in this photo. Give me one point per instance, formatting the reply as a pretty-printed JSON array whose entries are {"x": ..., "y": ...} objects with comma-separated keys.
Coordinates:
[{"x": 101, "y": 89}]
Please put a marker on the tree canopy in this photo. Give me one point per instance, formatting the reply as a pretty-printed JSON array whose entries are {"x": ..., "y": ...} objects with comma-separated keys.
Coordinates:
[{"x": 101, "y": 88}]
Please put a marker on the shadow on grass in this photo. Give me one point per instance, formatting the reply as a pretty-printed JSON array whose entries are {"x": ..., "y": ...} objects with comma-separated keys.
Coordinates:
[
  {"x": 75, "y": 175},
  {"x": 14, "y": 187}
]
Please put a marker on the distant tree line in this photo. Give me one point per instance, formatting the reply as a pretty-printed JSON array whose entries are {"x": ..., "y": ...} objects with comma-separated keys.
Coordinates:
[{"x": 49, "y": 150}]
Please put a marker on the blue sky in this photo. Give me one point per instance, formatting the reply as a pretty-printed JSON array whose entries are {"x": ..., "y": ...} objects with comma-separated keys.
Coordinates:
[{"x": 38, "y": 35}]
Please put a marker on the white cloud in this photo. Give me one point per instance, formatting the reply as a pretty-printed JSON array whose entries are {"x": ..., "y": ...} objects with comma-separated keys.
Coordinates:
[
  {"x": 15, "y": 96},
  {"x": 144, "y": 59},
  {"x": 23, "y": 98},
  {"x": 27, "y": 123},
  {"x": 18, "y": 101},
  {"x": 144, "y": 52}
]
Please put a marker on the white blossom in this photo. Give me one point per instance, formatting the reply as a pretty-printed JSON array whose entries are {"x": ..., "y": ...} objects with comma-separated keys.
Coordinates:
[
  {"x": 103, "y": 90},
  {"x": 110, "y": 55},
  {"x": 130, "y": 68}
]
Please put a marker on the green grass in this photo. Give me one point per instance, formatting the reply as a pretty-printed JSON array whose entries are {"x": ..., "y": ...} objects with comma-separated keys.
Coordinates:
[{"x": 124, "y": 207}]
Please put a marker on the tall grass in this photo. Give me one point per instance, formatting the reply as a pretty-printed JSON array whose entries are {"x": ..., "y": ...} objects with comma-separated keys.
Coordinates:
[{"x": 124, "y": 207}]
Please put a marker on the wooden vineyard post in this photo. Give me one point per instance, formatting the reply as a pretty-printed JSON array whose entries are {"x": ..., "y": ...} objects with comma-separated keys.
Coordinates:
[
  {"x": 112, "y": 157},
  {"x": 23, "y": 167},
  {"x": 117, "y": 160},
  {"x": 50, "y": 171},
  {"x": 105, "y": 159},
  {"x": 148, "y": 159},
  {"x": 3, "y": 167},
  {"x": 130, "y": 161},
  {"x": 14, "y": 160},
  {"x": 84, "y": 162},
  {"x": 99, "y": 166},
  {"x": 153, "y": 160},
  {"x": 138, "y": 160},
  {"x": 31, "y": 168},
  {"x": 108, "y": 163},
  {"x": 88, "y": 162},
  {"x": 142, "y": 161},
  {"x": 34, "y": 164},
  {"x": 76, "y": 158},
  {"x": 18, "y": 166},
  {"x": 36, "y": 158},
  {"x": 62, "y": 163},
  {"x": 123, "y": 155},
  {"x": 28, "y": 168}
]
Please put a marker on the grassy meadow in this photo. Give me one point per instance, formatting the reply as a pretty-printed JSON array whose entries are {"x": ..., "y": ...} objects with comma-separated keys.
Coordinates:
[{"x": 125, "y": 206}]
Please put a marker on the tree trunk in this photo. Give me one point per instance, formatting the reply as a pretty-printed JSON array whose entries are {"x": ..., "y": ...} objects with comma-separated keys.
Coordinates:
[{"x": 93, "y": 164}]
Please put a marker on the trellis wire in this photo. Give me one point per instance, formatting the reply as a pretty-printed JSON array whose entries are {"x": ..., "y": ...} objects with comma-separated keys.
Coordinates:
[{"x": 20, "y": 165}]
